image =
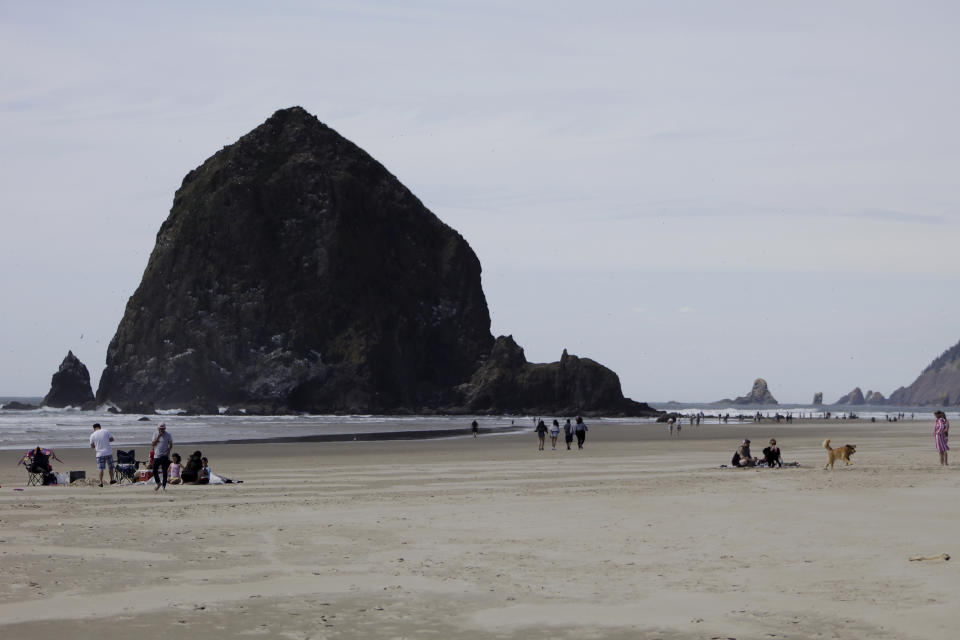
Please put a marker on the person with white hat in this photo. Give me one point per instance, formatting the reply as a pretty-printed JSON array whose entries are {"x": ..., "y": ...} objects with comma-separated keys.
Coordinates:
[{"x": 162, "y": 445}]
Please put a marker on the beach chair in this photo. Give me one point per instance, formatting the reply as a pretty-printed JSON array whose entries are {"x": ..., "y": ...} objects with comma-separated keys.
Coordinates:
[
  {"x": 38, "y": 467},
  {"x": 126, "y": 466},
  {"x": 34, "y": 477}
]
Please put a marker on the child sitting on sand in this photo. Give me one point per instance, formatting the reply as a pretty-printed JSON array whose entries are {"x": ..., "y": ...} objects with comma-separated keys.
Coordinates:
[
  {"x": 173, "y": 471},
  {"x": 204, "y": 477}
]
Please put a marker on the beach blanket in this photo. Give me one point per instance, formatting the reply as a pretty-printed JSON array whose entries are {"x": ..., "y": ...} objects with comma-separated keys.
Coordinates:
[{"x": 761, "y": 466}]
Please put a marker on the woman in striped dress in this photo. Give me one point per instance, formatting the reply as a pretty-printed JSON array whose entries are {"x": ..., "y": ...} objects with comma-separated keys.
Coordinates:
[{"x": 940, "y": 431}]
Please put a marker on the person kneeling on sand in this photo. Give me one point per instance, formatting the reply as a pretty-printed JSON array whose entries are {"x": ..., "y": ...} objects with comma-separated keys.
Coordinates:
[{"x": 742, "y": 457}]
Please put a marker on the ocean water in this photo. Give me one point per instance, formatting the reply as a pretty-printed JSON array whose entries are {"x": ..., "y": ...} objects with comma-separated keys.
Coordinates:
[
  {"x": 54, "y": 428},
  {"x": 62, "y": 428},
  {"x": 804, "y": 411}
]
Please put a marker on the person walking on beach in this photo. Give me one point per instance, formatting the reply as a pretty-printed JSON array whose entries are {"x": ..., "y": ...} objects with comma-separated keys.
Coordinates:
[
  {"x": 940, "y": 432},
  {"x": 670, "y": 425},
  {"x": 679, "y": 426},
  {"x": 475, "y": 428},
  {"x": 100, "y": 441},
  {"x": 541, "y": 434},
  {"x": 568, "y": 433},
  {"x": 581, "y": 431},
  {"x": 554, "y": 433},
  {"x": 162, "y": 444}
]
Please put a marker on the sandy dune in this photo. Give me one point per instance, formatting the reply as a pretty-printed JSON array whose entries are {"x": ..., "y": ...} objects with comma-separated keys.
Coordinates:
[{"x": 636, "y": 536}]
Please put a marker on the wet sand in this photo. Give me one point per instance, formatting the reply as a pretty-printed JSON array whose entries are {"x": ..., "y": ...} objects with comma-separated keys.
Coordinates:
[{"x": 637, "y": 536}]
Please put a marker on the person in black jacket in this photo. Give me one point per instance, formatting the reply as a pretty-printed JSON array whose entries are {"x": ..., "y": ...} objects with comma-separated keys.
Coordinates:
[
  {"x": 772, "y": 454},
  {"x": 40, "y": 463}
]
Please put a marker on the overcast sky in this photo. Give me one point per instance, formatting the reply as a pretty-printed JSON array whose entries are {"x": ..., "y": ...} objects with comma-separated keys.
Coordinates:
[{"x": 694, "y": 194}]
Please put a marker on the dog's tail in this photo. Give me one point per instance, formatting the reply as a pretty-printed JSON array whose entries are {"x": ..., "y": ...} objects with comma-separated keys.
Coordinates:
[{"x": 826, "y": 445}]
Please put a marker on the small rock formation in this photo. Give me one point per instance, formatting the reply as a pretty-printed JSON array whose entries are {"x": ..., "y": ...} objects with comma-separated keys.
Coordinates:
[
  {"x": 70, "y": 385},
  {"x": 295, "y": 273},
  {"x": 938, "y": 385},
  {"x": 507, "y": 383},
  {"x": 16, "y": 405},
  {"x": 874, "y": 398},
  {"x": 818, "y": 398},
  {"x": 759, "y": 394},
  {"x": 855, "y": 397}
]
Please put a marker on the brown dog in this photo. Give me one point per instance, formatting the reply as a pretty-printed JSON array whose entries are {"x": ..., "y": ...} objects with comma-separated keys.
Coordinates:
[{"x": 840, "y": 453}]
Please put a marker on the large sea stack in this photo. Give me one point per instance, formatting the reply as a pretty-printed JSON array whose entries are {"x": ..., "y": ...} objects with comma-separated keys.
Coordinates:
[
  {"x": 938, "y": 384},
  {"x": 295, "y": 273}
]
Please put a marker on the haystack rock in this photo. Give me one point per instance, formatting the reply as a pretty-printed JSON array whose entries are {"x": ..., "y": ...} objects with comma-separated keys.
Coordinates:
[
  {"x": 759, "y": 394},
  {"x": 855, "y": 397},
  {"x": 938, "y": 384},
  {"x": 70, "y": 385},
  {"x": 295, "y": 273},
  {"x": 818, "y": 398},
  {"x": 874, "y": 398}
]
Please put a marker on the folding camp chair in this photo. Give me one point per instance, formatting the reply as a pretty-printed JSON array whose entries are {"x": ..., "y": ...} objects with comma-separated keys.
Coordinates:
[
  {"x": 34, "y": 477},
  {"x": 39, "y": 471},
  {"x": 126, "y": 466}
]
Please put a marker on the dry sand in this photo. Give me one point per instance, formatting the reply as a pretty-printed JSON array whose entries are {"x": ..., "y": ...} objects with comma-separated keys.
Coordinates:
[{"x": 636, "y": 536}]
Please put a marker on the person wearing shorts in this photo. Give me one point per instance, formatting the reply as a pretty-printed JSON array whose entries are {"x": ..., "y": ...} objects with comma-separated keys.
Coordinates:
[{"x": 100, "y": 441}]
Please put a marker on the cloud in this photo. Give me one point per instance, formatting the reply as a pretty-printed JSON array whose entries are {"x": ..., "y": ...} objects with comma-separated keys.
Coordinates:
[{"x": 882, "y": 215}]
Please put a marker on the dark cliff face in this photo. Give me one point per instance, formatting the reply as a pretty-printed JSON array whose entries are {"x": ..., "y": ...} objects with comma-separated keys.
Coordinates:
[
  {"x": 507, "y": 383},
  {"x": 294, "y": 271},
  {"x": 70, "y": 385},
  {"x": 938, "y": 384}
]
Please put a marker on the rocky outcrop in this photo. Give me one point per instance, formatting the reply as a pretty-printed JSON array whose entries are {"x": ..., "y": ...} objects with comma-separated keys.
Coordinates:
[
  {"x": 818, "y": 398},
  {"x": 70, "y": 385},
  {"x": 855, "y": 397},
  {"x": 938, "y": 384},
  {"x": 295, "y": 273},
  {"x": 759, "y": 394},
  {"x": 507, "y": 383},
  {"x": 16, "y": 405},
  {"x": 874, "y": 398}
]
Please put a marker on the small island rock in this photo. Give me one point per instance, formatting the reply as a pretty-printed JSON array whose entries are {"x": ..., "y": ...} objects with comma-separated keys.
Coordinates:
[
  {"x": 759, "y": 394},
  {"x": 855, "y": 397},
  {"x": 70, "y": 385}
]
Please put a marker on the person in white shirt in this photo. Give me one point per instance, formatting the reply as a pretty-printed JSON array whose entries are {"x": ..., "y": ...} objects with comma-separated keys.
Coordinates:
[{"x": 100, "y": 441}]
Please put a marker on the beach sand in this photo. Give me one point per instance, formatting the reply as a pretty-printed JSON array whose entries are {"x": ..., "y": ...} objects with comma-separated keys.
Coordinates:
[{"x": 636, "y": 536}]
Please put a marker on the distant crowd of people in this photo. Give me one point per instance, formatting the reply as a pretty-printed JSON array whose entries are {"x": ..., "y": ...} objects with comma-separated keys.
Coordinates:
[{"x": 577, "y": 430}]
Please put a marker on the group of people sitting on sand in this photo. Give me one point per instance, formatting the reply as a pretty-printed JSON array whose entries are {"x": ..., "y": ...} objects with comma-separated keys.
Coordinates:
[
  {"x": 196, "y": 471},
  {"x": 771, "y": 456}
]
